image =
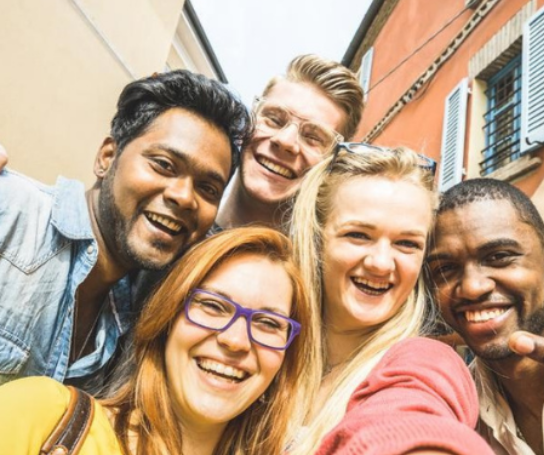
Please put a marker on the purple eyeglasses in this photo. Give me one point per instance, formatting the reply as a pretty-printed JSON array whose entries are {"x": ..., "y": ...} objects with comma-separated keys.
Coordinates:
[{"x": 216, "y": 312}]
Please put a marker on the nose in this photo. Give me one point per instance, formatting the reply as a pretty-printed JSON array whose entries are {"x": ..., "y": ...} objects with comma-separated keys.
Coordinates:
[
  {"x": 287, "y": 138},
  {"x": 236, "y": 337},
  {"x": 379, "y": 259},
  {"x": 474, "y": 283},
  {"x": 181, "y": 192}
]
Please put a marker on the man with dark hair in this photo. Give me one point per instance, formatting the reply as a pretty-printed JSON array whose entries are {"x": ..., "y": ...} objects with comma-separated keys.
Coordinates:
[
  {"x": 69, "y": 259},
  {"x": 300, "y": 118},
  {"x": 486, "y": 266}
]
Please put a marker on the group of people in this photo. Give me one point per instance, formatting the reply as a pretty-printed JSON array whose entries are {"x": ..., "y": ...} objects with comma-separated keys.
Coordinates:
[{"x": 294, "y": 318}]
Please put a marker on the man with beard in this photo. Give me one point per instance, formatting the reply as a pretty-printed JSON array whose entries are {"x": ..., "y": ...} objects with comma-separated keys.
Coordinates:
[
  {"x": 300, "y": 118},
  {"x": 69, "y": 259},
  {"x": 486, "y": 266}
]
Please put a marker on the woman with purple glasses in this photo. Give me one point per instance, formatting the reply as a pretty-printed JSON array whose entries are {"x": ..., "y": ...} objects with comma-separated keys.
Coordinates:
[
  {"x": 218, "y": 357},
  {"x": 360, "y": 227}
]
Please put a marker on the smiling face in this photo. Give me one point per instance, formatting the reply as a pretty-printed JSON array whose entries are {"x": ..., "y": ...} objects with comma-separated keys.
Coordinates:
[
  {"x": 215, "y": 376},
  {"x": 374, "y": 241},
  {"x": 161, "y": 193},
  {"x": 272, "y": 166},
  {"x": 487, "y": 267}
]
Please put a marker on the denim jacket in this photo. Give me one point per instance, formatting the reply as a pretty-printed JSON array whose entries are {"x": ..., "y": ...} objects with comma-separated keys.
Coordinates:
[{"x": 47, "y": 248}]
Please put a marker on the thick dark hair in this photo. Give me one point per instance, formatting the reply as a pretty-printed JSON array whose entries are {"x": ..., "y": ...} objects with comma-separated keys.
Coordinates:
[
  {"x": 483, "y": 189},
  {"x": 142, "y": 101}
]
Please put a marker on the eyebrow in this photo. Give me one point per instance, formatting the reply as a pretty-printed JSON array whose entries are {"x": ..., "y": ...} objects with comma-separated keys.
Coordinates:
[
  {"x": 185, "y": 157},
  {"x": 482, "y": 249},
  {"x": 415, "y": 233},
  {"x": 227, "y": 296}
]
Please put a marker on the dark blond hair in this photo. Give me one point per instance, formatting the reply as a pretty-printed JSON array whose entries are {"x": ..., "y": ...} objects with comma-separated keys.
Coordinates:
[
  {"x": 143, "y": 405},
  {"x": 334, "y": 80}
]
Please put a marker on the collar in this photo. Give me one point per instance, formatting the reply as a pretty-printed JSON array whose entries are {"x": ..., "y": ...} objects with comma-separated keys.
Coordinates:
[{"x": 70, "y": 213}]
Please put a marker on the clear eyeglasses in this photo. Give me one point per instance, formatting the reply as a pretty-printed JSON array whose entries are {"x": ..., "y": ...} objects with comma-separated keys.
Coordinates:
[
  {"x": 216, "y": 312},
  {"x": 313, "y": 137}
]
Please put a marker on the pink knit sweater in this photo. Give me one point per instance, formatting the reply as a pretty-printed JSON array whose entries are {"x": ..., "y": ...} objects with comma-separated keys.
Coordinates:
[{"x": 419, "y": 396}]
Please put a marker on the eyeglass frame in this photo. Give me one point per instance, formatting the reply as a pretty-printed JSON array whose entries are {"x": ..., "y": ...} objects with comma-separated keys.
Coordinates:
[
  {"x": 430, "y": 166},
  {"x": 247, "y": 313},
  {"x": 338, "y": 138}
]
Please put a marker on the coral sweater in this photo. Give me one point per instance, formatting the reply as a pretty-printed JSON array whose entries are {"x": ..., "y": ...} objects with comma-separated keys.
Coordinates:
[{"x": 419, "y": 396}]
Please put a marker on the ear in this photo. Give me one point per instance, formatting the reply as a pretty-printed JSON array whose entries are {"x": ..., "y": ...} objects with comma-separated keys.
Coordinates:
[{"x": 105, "y": 158}]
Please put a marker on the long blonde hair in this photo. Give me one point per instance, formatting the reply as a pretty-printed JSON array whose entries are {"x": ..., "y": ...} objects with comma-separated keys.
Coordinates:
[
  {"x": 143, "y": 405},
  {"x": 310, "y": 212}
]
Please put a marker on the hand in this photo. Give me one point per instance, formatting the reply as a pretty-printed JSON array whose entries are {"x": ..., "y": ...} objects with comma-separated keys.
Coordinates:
[
  {"x": 3, "y": 157},
  {"x": 527, "y": 344}
]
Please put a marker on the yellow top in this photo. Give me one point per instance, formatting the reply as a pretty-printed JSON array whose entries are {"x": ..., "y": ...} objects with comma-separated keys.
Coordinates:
[{"x": 31, "y": 407}]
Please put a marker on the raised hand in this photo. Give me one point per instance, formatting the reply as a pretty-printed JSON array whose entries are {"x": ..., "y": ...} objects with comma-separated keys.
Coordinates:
[{"x": 527, "y": 344}]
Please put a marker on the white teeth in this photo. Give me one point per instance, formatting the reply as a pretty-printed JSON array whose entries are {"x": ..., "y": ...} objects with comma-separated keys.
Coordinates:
[
  {"x": 221, "y": 368},
  {"x": 166, "y": 222},
  {"x": 276, "y": 168},
  {"x": 372, "y": 284},
  {"x": 484, "y": 315}
]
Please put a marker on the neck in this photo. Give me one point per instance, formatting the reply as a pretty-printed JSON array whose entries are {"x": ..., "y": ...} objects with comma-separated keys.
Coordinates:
[
  {"x": 341, "y": 344},
  {"x": 201, "y": 440},
  {"x": 521, "y": 379},
  {"x": 240, "y": 209}
]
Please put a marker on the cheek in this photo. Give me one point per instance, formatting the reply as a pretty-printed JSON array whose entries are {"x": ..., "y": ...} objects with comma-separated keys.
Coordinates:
[{"x": 270, "y": 363}]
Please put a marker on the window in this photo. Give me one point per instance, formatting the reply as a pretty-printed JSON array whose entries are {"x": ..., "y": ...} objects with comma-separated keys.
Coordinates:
[
  {"x": 503, "y": 117},
  {"x": 366, "y": 70}
]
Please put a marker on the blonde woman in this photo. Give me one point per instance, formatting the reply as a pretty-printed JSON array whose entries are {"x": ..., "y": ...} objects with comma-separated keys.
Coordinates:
[
  {"x": 360, "y": 226},
  {"x": 219, "y": 356}
]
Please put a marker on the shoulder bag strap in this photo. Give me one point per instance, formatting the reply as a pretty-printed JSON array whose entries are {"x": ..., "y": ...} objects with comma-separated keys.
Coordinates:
[{"x": 68, "y": 436}]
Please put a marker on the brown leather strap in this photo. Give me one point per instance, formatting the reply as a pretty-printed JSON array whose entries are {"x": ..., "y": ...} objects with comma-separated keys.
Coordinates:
[{"x": 69, "y": 434}]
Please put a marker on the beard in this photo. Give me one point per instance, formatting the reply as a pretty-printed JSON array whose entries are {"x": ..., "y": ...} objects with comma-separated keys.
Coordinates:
[
  {"x": 115, "y": 230},
  {"x": 533, "y": 323}
]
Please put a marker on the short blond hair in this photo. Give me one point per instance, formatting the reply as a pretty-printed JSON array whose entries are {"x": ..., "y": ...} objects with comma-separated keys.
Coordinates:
[{"x": 334, "y": 80}]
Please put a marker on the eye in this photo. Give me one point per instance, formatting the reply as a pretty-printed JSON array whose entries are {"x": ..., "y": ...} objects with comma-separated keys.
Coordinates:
[
  {"x": 412, "y": 245},
  {"x": 162, "y": 165},
  {"x": 274, "y": 117},
  {"x": 440, "y": 271},
  {"x": 357, "y": 235},
  {"x": 500, "y": 258},
  {"x": 313, "y": 135},
  {"x": 210, "y": 306},
  {"x": 268, "y": 322},
  {"x": 211, "y": 191}
]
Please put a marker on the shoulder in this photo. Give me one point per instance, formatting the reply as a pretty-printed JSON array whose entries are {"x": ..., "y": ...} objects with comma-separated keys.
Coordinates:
[{"x": 31, "y": 407}]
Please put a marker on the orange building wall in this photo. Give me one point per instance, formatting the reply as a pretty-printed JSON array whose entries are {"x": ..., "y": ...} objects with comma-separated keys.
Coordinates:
[{"x": 419, "y": 123}]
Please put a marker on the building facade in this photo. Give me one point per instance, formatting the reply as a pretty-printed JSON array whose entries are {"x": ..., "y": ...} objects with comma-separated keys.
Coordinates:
[
  {"x": 461, "y": 81},
  {"x": 63, "y": 64}
]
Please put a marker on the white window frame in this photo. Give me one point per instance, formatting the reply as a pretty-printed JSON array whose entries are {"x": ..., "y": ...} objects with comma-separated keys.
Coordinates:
[
  {"x": 532, "y": 83},
  {"x": 366, "y": 71},
  {"x": 453, "y": 136}
]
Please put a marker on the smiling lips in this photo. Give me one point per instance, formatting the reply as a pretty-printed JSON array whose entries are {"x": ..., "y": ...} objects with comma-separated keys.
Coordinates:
[
  {"x": 221, "y": 370},
  {"x": 165, "y": 223},
  {"x": 372, "y": 287},
  {"x": 276, "y": 168},
  {"x": 484, "y": 315}
]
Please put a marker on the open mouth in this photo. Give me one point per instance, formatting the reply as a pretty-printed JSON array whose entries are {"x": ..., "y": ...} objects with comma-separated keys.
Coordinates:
[
  {"x": 217, "y": 369},
  {"x": 164, "y": 223},
  {"x": 485, "y": 315},
  {"x": 371, "y": 287},
  {"x": 276, "y": 168}
]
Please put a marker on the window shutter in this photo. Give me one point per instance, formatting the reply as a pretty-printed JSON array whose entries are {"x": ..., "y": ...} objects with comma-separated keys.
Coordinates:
[
  {"x": 453, "y": 137},
  {"x": 366, "y": 70},
  {"x": 532, "y": 83}
]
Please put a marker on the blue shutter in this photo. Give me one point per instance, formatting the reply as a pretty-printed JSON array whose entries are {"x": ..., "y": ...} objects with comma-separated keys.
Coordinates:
[
  {"x": 453, "y": 137},
  {"x": 532, "y": 84},
  {"x": 366, "y": 71}
]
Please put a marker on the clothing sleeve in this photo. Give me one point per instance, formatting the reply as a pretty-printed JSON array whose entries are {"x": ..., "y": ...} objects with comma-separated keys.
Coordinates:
[
  {"x": 29, "y": 411},
  {"x": 419, "y": 396}
]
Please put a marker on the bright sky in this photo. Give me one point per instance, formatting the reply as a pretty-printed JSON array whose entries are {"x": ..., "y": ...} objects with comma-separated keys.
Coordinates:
[{"x": 255, "y": 39}]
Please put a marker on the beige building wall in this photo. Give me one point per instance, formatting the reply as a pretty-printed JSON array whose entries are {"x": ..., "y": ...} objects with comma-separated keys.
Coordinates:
[{"x": 63, "y": 63}]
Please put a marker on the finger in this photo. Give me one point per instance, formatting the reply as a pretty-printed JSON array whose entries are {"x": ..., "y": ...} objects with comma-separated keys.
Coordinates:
[
  {"x": 527, "y": 344},
  {"x": 3, "y": 157}
]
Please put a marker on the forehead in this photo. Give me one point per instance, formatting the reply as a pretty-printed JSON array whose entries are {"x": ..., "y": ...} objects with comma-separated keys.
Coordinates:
[
  {"x": 308, "y": 102},
  {"x": 382, "y": 201},
  {"x": 477, "y": 223}
]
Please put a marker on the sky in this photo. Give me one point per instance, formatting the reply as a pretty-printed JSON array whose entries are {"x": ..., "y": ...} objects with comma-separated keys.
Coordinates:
[{"x": 255, "y": 39}]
